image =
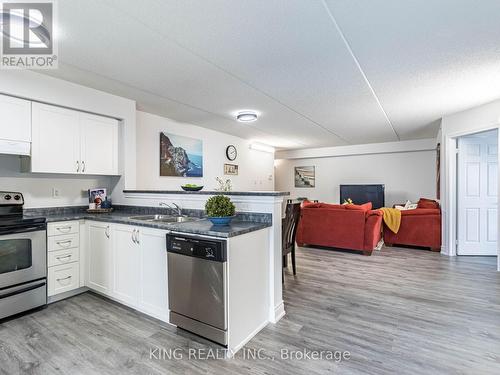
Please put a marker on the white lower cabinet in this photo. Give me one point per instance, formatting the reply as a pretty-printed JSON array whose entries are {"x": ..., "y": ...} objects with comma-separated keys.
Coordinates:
[
  {"x": 63, "y": 278},
  {"x": 126, "y": 260},
  {"x": 129, "y": 264},
  {"x": 63, "y": 257},
  {"x": 98, "y": 265},
  {"x": 153, "y": 294}
]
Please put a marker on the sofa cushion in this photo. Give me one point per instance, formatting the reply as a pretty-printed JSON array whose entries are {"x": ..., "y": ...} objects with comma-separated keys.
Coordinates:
[
  {"x": 309, "y": 204},
  {"x": 361, "y": 207},
  {"x": 332, "y": 206},
  {"x": 421, "y": 211},
  {"x": 427, "y": 203}
]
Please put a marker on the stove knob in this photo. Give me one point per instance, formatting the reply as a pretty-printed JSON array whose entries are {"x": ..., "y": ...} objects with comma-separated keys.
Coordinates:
[
  {"x": 7, "y": 197},
  {"x": 17, "y": 197}
]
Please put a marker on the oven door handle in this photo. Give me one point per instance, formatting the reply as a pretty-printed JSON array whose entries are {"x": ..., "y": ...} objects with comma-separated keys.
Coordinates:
[
  {"x": 22, "y": 289},
  {"x": 31, "y": 228}
]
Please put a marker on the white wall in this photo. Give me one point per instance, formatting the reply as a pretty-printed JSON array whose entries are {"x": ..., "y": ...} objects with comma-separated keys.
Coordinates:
[
  {"x": 255, "y": 167},
  {"x": 37, "y": 188},
  {"x": 406, "y": 175}
]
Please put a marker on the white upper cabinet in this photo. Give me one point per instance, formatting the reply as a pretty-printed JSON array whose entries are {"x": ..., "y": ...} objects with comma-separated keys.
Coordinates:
[
  {"x": 56, "y": 140},
  {"x": 15, "y": 125},
  {"x": 99, "y": 144},
  {"x": 69, "y": 141}
]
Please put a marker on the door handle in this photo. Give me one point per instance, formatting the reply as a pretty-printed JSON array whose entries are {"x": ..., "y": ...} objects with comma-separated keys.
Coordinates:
[
  {"x": 106, "y": 232},
  {"x": 137, "y": 237},
  {"x": 83, "y": 166},
  {"x": 133, "y": 236},
  {"x": 77, "y": 166},
  {"x": 22, "y": 290}
]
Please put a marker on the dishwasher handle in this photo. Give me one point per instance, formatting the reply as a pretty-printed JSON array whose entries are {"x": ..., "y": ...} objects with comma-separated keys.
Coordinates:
[{"x": 198, "y": 247}]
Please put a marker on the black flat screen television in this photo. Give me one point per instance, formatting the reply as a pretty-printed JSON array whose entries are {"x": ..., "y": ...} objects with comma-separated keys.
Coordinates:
[{"x": 361, "y": 194}]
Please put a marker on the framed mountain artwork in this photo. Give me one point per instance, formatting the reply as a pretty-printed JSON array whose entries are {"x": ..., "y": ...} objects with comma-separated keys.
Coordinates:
[{"x": 180, "y": 156}]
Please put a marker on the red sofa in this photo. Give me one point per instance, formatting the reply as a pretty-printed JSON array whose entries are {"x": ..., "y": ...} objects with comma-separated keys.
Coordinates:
[
  {"x": 420, "y": 227},
  {"x": 350, "y": 227}
]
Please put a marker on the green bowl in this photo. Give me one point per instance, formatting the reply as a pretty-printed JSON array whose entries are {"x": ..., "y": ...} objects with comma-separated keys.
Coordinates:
[{"x": 192, "y": 188}]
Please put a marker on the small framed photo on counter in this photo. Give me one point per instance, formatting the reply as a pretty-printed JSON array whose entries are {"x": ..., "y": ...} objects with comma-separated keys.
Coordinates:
[{"x": 97, "y": 196}]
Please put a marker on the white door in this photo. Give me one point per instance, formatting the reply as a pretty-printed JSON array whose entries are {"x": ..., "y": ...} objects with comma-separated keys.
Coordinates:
[
  {"x": 99, "y": 144},
  {"x": 15, "y": 119},
  {"x": 154, "y": 284},
  {"x": 55, "y": 139},
  {"x": 99, "y": 257},
  {"x": 478, "y": 194},
  {"x": 126, "y": 263}
]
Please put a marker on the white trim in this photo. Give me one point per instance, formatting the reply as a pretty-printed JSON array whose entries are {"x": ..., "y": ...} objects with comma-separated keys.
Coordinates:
[
  {"x": 279, "y": 312},
  {"x": 366, "y": 149},
  {"x": 232, "y": 351},
  {"x": 449, "y": 226},
  {"x": 360, "y": 69}
]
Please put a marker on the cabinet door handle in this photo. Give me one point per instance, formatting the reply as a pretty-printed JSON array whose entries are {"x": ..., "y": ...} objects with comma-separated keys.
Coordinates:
[
  {"x": 61, "y": 243},
  {"x": 64, "y": 278},
  {"x": 77, "y": 166},
  {"x": 83, "y": 166},
  {"x": 106, "y": 232},
  {"x": 64, "y": 229},
  {"x": 137, "y": 237},
  {"x": 64, "y": 257},
  {"x": 133, "y": 236}
]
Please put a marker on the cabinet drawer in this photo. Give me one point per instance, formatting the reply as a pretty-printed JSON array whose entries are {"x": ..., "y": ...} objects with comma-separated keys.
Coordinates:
[
  {"x": 63, "y": 278},
  {"x": 63, "y": 242},
  {"x": 63, "y": 227},
  {"x": 65, "y": 256}
]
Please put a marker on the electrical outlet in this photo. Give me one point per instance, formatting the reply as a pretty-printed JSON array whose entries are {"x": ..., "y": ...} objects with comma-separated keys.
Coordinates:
[{"x": 56, "y": 193}]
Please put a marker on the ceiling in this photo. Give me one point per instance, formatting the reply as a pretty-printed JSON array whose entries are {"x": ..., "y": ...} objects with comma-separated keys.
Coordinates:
[{"x": 321, "y": 73}]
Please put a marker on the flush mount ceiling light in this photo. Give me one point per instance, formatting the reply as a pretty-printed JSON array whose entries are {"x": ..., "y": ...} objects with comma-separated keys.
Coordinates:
[{"x": 246, "y": 116}]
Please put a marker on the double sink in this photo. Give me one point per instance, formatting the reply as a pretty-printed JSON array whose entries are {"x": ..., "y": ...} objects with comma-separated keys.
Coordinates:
[{"x": 163, "y": 218}]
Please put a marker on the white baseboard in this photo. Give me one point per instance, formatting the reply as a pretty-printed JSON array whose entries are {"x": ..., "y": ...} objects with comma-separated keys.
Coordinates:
[
  {"x": 232, "y": 351},
  {"x": 444, "y": 251},
  {"x": 279, "y": 312}
]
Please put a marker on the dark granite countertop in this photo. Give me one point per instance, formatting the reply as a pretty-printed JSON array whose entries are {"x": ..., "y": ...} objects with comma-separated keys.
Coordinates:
[
  {"x": 201, "y": 226},
  {"x": 213, "y": 192}
]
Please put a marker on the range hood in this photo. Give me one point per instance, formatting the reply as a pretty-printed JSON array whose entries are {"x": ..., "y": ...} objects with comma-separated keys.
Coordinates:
[{"x": 15, "y": 147}]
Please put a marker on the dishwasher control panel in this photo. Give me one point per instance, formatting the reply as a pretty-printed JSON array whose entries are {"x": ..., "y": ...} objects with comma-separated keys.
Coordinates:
[{"x": 197, "y": 247}]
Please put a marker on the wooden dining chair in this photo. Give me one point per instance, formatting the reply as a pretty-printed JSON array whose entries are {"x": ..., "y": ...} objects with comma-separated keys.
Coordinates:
[{"x": 289, "y": 230}]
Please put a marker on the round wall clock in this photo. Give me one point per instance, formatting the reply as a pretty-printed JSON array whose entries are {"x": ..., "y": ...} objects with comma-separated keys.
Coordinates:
[{"x": 231, "y": 152}]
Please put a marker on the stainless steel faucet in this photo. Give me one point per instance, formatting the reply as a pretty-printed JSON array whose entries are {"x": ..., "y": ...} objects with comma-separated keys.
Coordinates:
[{"x": 173, "y": 207}]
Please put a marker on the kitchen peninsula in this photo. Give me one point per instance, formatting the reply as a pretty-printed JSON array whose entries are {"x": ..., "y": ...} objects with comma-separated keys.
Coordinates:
[{"x": 131, "y": 271}]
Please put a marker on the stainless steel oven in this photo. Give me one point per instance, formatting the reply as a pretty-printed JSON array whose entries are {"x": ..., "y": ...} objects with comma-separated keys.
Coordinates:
[{"x": 23, "y": 258}]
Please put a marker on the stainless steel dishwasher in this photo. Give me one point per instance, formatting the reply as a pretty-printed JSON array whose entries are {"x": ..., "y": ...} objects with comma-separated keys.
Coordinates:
[{"x": 197, "y": 272}]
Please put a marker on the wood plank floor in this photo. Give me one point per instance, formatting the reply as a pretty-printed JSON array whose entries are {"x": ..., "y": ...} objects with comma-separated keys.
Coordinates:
[{"x": 399, "y": 311}]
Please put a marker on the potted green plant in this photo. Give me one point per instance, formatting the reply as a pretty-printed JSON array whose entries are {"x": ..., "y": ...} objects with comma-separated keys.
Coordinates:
[{"x": 220, "y": 210}]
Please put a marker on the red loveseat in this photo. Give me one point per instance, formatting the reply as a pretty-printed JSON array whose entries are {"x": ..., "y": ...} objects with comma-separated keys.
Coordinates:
[
  {"x": 420, "y": 227},
  {"x": 349, "y": 227}
]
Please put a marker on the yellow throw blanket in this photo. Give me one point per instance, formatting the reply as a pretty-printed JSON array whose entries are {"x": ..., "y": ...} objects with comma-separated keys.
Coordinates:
[{"x": 392, "y": 218}]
